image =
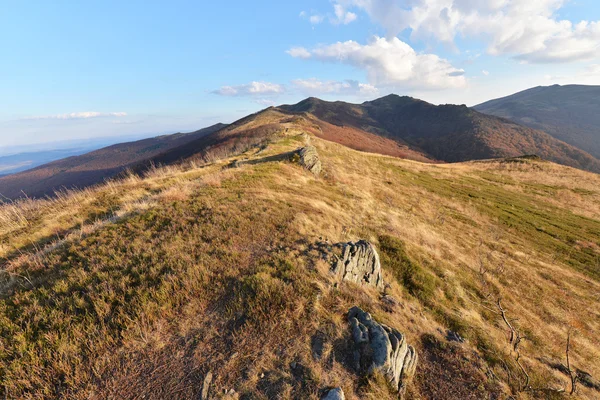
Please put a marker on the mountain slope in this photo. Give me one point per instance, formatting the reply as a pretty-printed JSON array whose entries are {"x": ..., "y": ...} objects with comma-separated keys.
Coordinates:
[
  {"x": 449, "y": 132},
  {"x": 158, "y": 280},
  {"x": 94, "y": 167},
  {"x": 569, "y": 113}
]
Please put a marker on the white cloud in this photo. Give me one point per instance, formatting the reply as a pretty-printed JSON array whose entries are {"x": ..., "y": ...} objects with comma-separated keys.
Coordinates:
[
  {"x": 526, "y": 29},
  {"x": 389, "y": 62},
  {"x": 342, "y": 16},
  {"x": 316, "y": 19},
  {"x": 315, "y": 86},
  {"x": 251, "y": 89},
  {"x": 593, "y": 70},
  {"x": 298, "y": 52},
  {"x": 313, "y": 18},
  {"x": 79, "y": 115}
]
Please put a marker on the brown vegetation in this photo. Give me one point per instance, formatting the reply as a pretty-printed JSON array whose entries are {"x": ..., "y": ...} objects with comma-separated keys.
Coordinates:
[{"x": 156, "y": 280}]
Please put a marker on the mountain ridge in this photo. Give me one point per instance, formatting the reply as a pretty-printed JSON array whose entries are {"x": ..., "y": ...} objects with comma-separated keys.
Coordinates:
[
  {"x": 566, "y": 112},
  {"x": 93, "y": 167},
  {"x": 393, "y": 125},
  {"x": 215, "y": 278},
  {"x": 447, "y": 132}
]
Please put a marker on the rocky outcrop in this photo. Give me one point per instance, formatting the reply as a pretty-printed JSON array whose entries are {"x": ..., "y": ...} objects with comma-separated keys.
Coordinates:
[
  {"x": 378, "y": 347},
  {"x": 334, "y": 394},
  {"x": 360, "y": 264},
  {"x": 309, "y": 159}
]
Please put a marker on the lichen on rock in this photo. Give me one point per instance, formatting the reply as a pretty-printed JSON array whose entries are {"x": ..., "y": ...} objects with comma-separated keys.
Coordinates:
[
  {"x": 360, "y": 264},
  {"x": 378, "y": 347},
  {"x": 309, "y": 159}
]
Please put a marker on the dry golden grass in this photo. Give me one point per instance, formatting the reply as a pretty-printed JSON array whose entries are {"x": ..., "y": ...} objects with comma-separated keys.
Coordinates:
[{"x": 202, "y": 267}]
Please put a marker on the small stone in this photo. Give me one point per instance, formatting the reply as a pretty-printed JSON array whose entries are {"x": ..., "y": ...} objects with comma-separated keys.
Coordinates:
[
  {"x": 206, "y": 386},
  {"x": 452, "y": 336},
  {"x": 334, "y": 394}
]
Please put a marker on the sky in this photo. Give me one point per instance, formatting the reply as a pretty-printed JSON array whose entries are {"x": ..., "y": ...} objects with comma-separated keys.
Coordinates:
[{"x": 72, "y": 70}]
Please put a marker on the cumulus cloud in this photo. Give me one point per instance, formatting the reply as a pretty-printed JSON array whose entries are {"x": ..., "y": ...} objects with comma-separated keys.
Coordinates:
[
  {"x": 528, "y": 30},
  {"x": 314, "y": 86},
  {"x": 342, "y": 16},
  {"x": 389, "y": 62},
  {"x": 251, "y": 89},
  {"x": 79, "y": 115},
  {"x": 299, "y": 52}
]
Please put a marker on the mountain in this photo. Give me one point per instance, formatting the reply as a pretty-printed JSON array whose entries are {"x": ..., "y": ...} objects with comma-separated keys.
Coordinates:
[
  {"x": 395, "y": 126},
  {"x": 94, "y": 167},
  {"x": 14, "y": 163},
  {"x": 568, "y": 113},
  {"x": 449, "y": 133},
  {"x": 232, "y": 278}
]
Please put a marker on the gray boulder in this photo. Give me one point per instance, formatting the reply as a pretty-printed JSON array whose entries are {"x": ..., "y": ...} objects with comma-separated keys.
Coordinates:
[
  {"x": 309, "y": 159},
  {"x": 359, "y": 264},
  {"x": 378, "y": 347},
  {"x": 334, "y": 394}
]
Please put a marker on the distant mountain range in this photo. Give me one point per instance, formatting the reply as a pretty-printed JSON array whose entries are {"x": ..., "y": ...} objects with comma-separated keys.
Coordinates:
[
  {"x": 570, "y": 113},
  {"x": 94, "y": 167},
  {"x": 396, "y": 126},
  {"x": 448, "y": 133},
  {"x": 23, "y": 161}
]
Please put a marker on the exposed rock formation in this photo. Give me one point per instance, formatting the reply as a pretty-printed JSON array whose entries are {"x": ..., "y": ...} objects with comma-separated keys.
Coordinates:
[
  {"x": 309, "y": 159},
  {"x": 378, "y": 347},
  {"x": 359, "y": 264},
  {"x": 334, "y": 394}
]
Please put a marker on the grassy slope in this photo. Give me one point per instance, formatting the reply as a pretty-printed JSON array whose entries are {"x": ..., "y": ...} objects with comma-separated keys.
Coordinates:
[{"x": 209, "y": 268}]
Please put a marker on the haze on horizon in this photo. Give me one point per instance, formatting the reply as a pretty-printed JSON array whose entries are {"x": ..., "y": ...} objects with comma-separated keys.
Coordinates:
[{"x": 74, "y": 71}]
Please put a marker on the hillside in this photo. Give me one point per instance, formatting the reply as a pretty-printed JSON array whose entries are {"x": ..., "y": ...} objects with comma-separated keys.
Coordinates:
[
  {"x": 568, "y": 113},
  {"x": 449, "y": 132},
  {"x": 214, "y": 275},
  {"x": 93, "y": 167}
]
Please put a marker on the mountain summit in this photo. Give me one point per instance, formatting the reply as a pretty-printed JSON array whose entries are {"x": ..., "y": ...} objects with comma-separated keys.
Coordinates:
[
  {"x": 569, "y": 113},
  {"x": 449, "y": 133},
  {"x": 398, "y": 126}
]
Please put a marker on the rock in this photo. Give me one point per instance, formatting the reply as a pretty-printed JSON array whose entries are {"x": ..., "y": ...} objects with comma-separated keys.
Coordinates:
[
  {"x": 452, "y": 336},
  {"x": 317, "y": 344},
  {"x": 587, "y": 380},
  {"x": 206, "y": 386},
  {"x": 378, "y": 347},
  {"x": 309, "y": 159},
  {"x": 359, "y": 264},
  {"x": 334, "y": 394},
  {"x": 389, "y": 303}
]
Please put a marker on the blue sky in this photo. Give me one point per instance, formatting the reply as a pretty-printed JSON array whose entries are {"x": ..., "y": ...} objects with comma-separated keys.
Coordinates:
[{"x": 72, "y": 70}]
